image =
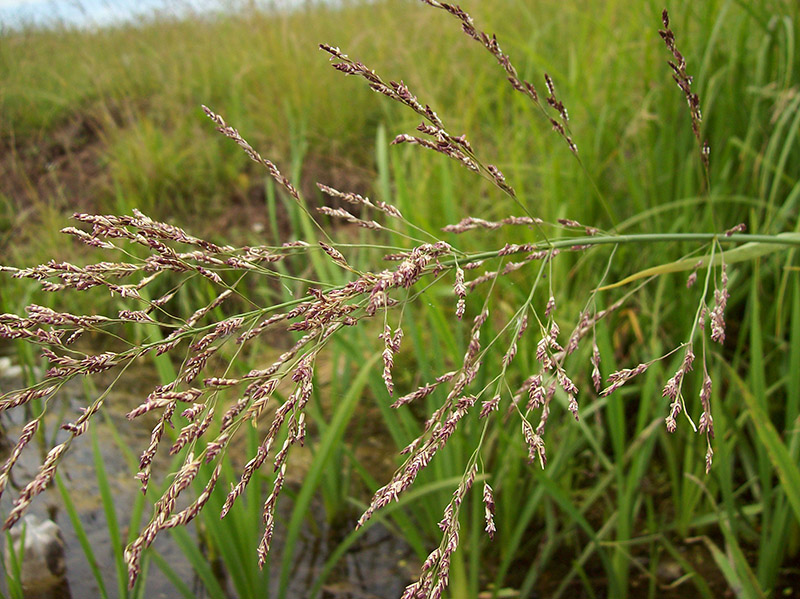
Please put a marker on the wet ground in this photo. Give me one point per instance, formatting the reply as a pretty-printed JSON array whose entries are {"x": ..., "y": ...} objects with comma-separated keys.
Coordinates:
[{"x": 376, "y": 567}]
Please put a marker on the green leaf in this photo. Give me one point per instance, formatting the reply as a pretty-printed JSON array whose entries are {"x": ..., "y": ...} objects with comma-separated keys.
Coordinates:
[
  {"x": 743, "y": 253},
  {"x": 327, "y": 444}
]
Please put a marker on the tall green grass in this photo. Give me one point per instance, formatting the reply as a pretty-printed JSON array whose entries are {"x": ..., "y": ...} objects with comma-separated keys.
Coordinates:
[{"x": 122, "y": 104}]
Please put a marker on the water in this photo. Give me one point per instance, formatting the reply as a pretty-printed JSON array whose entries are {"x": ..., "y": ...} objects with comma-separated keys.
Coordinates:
[
  {"x": 78, "y": 475},
  {"x": 377, "y": 566}
]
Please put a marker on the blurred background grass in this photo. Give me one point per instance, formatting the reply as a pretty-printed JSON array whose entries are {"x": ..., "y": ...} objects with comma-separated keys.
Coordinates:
[
  {"x": 93, "y": 117},
  {"x": 109, "y": 120}
]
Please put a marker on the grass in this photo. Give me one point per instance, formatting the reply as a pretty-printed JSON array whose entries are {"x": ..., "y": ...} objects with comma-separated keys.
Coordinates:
[
  {"x": 134, "y": 115},
  {"x": 87, "y": 126}
]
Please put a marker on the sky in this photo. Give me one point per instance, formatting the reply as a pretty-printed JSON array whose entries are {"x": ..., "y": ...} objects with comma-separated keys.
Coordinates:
[
  {"x": 83, "y": 13},
  {"x": 93, "y": 13}
]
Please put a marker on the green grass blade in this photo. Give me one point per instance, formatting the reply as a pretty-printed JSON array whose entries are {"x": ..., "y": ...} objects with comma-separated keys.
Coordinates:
[
  {"x": 330, "y": 439},
  {"x": 740, "y": 585},
  {"x": 566, "y": 505},
  {"x": 416, "y": 493},
  {"x": 110, "y": 513},
  {"x": 744, "y": 253},
  {"x": 786, "y": 468},
  {"x": 188, "y": 547},
  {"x": 80, "y": 534},
  {"x": 697, "y": 578},
  {"x": 12, "y": 577},
  {"x": 172, "y": 576}
]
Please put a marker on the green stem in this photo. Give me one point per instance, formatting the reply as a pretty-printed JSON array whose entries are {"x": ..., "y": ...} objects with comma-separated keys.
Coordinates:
[{"x": 788, "y": 239}]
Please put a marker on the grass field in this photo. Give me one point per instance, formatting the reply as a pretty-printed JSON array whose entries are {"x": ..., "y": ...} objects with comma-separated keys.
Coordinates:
[{"x": 111, "y": 120}]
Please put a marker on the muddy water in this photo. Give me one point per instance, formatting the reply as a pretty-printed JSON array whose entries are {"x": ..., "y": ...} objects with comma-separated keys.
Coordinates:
[
  {"x": 78, "y": 474},
  {"x": 376, "y": 567}
]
